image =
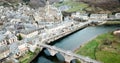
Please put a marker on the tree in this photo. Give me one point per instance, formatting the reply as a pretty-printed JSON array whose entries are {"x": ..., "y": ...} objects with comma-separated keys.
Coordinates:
[
  {"x": 19, "y": 37},
  {"x": 26, "y": 0}
]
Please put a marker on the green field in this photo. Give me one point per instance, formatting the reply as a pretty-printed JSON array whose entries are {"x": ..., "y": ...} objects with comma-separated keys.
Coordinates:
[
  {"x": 75, "y": 6},
  {"x": 112, "y": 23},
  {"x": 105, "y": 48},
  {"x": 26, "y": 58}
]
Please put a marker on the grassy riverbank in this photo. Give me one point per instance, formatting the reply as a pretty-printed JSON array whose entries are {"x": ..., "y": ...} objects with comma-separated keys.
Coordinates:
[
  {"x": 26, "y": 58},
  {"x": 105, "y": 48},
  {"x": 29, "y": 56},
  {"x": 112, "y": 23}
]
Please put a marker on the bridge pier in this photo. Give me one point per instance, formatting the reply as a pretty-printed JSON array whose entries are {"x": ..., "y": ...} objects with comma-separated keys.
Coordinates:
[
  {"x": 68, "y": 58},
  {"x": 52, "y": 52}
]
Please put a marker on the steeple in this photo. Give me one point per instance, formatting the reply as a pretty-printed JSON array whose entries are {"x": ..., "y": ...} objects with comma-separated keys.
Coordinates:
[
  {"x": 47, "y": 2},
  {"x": 47, "y": 7}
]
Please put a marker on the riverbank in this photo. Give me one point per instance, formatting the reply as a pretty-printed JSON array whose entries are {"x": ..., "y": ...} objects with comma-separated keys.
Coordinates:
[
  {"x": 29, "y": 56},
  {"x": 104, "y": 48},
  {"x": 112, "y": 23}
]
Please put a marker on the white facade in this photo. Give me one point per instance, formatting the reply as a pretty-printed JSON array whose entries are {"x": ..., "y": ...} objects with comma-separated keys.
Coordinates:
[
  {"x": 7, "y": 41},
  {"x": 4, "y": 54},
  {"x": 117, "y": 15},
  {"x": 29, "y": 35},
  {"x": 98, "y": 16},
  {"x": 4, "y": 51},
  {"x": 14, "y": 21},
  {"x": 80, "y": 15}
]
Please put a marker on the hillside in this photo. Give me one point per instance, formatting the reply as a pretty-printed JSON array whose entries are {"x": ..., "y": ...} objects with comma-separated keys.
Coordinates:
[
  {"x": 92, "y": 6},
  {"x": 95, "y": 6},
  {"x": 11, "y": 1},
  {"x": 111, "y": 5},
  {"x": 33, "y": 3}
]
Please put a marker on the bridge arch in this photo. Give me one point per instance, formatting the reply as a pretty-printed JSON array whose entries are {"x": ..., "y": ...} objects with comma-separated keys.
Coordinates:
[
  {"x": 68, "y": 58},
  {"x": 60, "y": 57},
  {"x": 52, "y": 51},
  {"x": 75, "y": 61},
  {"x": 46, "y": 52}
]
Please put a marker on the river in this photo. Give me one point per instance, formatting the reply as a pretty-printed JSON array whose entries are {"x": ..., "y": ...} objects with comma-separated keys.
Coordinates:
[{"x": 73, "y": 41}]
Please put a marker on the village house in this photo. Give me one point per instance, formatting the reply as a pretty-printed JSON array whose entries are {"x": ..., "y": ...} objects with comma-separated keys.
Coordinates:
[
  {"x": 23, "y": 48},
  {"x": 15, "y": 21},
  {"x": 67, "y": 18},
  {"x": 4, "y": 19},
  {"x": 27, "y": 30},
  {"x": 112, "y": 17},
  {"x": 33, "y": 43},
  {"x": 38, "y": 16},
  {"x": 2, "y": 40},
  {"x": 28, "y": 33},
  {"x": 18, "y": 49},
  {"x": 4, "y": 51},
  {"x": 99, "y": 16},
  {"x": 7, "y": 39},
  {"x": 14, "y": 48},
  {"x": 1, "y": 22},
  {"x": 82, "y": 16},
  {"x": 117, "y": 15}
]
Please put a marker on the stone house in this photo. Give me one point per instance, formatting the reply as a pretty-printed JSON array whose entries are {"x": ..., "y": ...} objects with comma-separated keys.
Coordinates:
[
  {"x": 28, "y": 33},
  {"x": 7, "y": 39},
  {"x": 4, "y": 51},
  {"x": 82, "y": 16},
  {"x": 117, "y": 15},
  {"x": 99, "y": 16}
]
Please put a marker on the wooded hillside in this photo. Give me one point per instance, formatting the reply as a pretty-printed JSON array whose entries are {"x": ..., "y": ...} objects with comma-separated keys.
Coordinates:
[{"x": 105, "y": 4}]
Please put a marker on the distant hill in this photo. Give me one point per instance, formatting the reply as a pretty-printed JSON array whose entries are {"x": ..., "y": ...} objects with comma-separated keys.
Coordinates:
[
  {"x": 11, "y": 1},
  {"x": 105, "y": 4},
  {"x": 33, "y": 3},
  {"x": 37, "y": 3}
]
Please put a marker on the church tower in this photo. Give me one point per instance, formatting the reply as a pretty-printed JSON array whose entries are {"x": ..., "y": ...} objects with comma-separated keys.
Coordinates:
[{"x": 47, "y": 8}]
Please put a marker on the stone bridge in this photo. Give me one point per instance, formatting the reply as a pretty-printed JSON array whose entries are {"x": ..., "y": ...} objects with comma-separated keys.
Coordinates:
[{"x": 68, "y": 55}]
